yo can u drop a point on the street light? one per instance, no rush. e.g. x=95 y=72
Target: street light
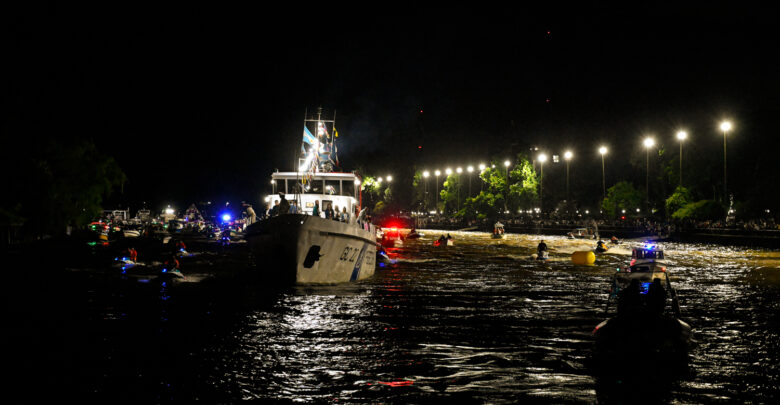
x=725 y=126
x=273 y=187
x=542 y=158
x=649 y=143
x=482 y=167
x=568 y=155
x=681 y=135
x=437 y=173
x=470 y=169
x=389 y=178
x=603 y=151
x=459 y=171
x=426 y=174
x=506 y=165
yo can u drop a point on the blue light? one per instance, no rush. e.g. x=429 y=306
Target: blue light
x=381 y=264
x=226 y=217
x=645 y=287
x=164 y=270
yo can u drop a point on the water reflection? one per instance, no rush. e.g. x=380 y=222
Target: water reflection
x=481 y=321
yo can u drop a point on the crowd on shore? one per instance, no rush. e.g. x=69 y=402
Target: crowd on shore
x=635 y=224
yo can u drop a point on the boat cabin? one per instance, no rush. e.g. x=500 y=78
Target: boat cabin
x=340 y=190
x=498 y=228
x=646 y=253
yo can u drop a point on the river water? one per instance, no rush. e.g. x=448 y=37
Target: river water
x=478 y=321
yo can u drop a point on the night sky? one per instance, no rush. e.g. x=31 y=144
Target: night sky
x=197 y=103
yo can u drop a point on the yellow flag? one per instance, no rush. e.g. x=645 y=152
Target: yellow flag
x=335 y=132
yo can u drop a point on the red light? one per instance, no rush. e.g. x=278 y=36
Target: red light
x=623 y=217
x=419 y=147
x=421 y=111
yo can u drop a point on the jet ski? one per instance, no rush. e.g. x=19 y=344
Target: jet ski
x=600 y=247
x=382 y=257
x=124 y=263
x=174 y=274
x=544 y=256
x=413 y=235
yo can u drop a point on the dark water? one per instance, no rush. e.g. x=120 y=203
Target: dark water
x=475 y=322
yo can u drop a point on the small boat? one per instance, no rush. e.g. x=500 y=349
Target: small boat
x=442 y=242
x=581 y=233
x=391 y=237
x=498 y=231
x=646 y=326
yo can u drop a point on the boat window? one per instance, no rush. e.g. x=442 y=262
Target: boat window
x=640 y=269
x=348 y=188
x=326 y=204
x=332 y=187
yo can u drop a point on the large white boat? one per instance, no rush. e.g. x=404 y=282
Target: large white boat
x=304 y=248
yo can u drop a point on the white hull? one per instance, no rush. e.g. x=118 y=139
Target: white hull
x=304 y=249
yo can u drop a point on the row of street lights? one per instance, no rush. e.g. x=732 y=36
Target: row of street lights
x=649 y=142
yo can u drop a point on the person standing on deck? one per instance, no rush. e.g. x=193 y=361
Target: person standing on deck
x=316 y=210
x=284 y=205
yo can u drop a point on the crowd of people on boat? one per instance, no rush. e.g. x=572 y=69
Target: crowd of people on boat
x=330 y=211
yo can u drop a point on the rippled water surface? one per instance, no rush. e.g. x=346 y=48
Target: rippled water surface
x=478 y=321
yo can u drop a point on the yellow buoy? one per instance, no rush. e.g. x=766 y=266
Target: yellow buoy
x=585 y=257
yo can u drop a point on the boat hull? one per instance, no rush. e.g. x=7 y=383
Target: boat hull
x=641 y=337
x=304 y=249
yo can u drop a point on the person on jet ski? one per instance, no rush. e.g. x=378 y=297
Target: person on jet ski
x=442 y=240
x=614 y=239
x=541 y=249
x=600 y=246
x=448 y=236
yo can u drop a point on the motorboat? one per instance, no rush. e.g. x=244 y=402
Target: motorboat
x=498 y=231
x=303 y=248
x=647 y=321
x=391 y=237
x=581 y=233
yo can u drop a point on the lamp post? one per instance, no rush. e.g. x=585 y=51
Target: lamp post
x=649 y=142
x=273 y=187
x=506 y=196
x=470 y=169
x=426 y=174
x=568 y=155
x=459 y=171
x=603 y=151
x=437 y=173
x=542 y=158
x=481 y=170
x=725 y=126
x=681 y=135
x=448 y=172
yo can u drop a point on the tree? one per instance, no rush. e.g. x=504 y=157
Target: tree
x=63 y=185
x=450 y=193
x=704 y=209
x=523 y=185
x=677 y=200
x=621 y=196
